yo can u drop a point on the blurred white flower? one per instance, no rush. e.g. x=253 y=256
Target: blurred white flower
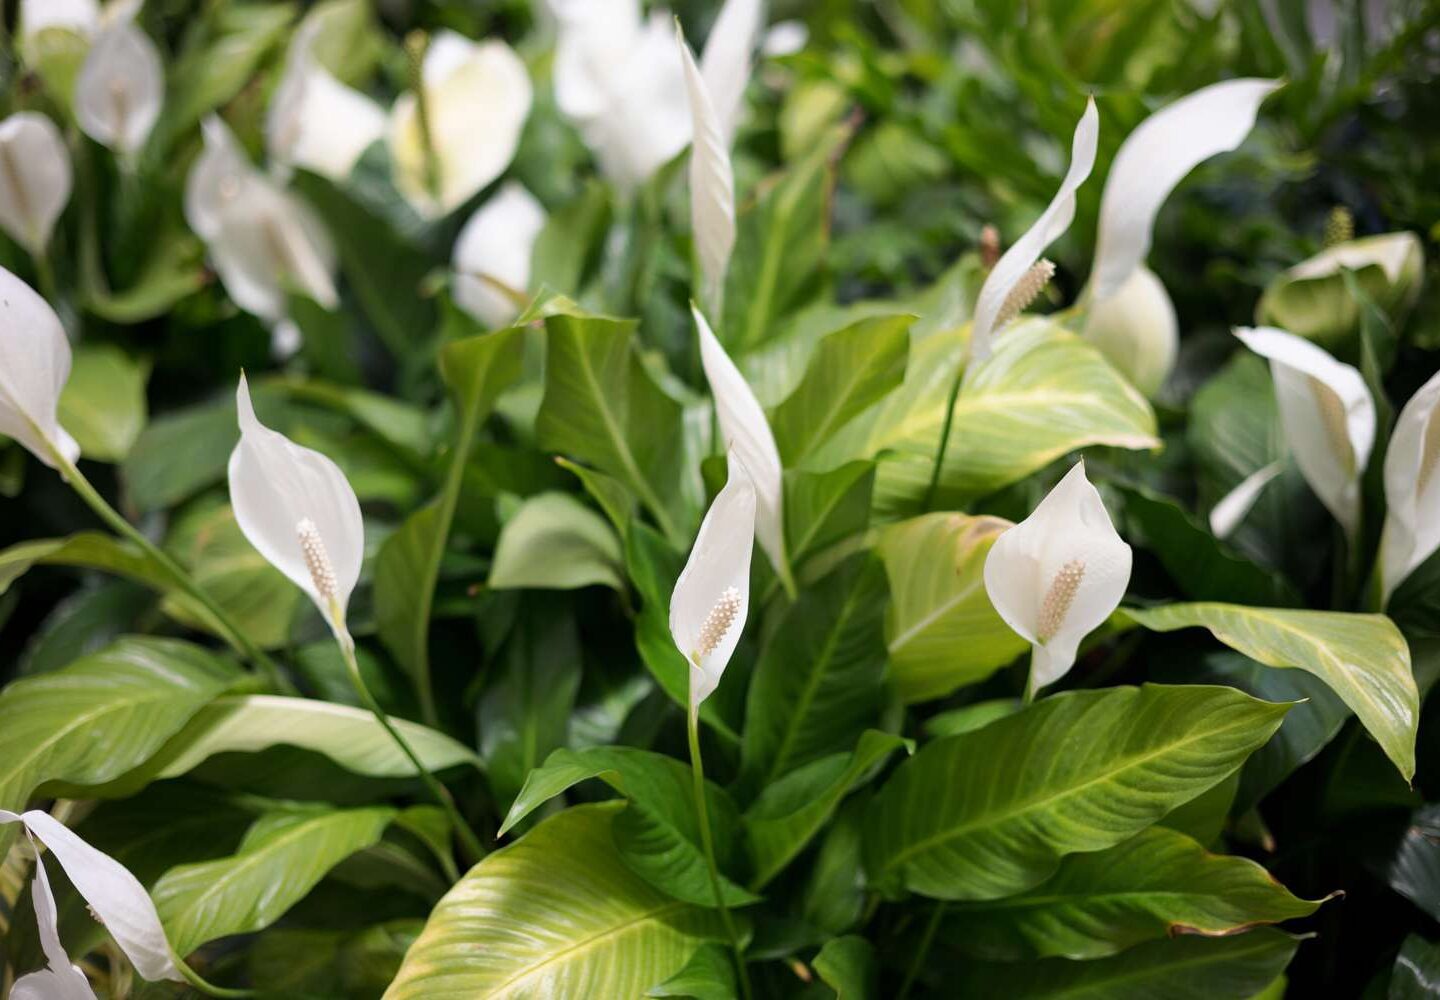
x=34 y=179
x=1412 y=488
x=1327 y=415
x=712 y=184
x=298 y=510
x=785 y=38
x=1058 y=574
x=726 y=61
x=79 y=16
x=115 y=897
x=712 y=595
x=1137 y=330
x=34 y=364
x=477 y=97
x=492 y=255
x=121 y=86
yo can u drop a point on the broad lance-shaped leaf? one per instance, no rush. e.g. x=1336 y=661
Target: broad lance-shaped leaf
x=1158 y=884
x=712 y=184
x=555 y=542
x=283 y=856
x=658 y=836
x=1363 y=658
x=849 y=966
x=558 y=913
x=990 y=813
x=709 y=975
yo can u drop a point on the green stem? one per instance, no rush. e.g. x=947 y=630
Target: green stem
x=944 y=437
x=924 y=950
x=697 y=769
x=196 y=980
x=177 y=573
x=45 y=276
x=468 y=840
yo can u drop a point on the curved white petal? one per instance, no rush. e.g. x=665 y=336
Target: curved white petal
x=1156 y=157
x=727 y=58
x=62 y=980
x=1058 y=574
x=747 y=434
x=115 y=896
x=712 y=184
x=317 y=123
x=711 y=599
x=79 y=16
x=268 y=241
x=495 y=246
x=1046 y=230
x=477 y=97
x=1393 y=253
x=34 y=179
x=121 y=87
x=276 y=486
x=1137 y=330
x=1226 y=515
x=1327 y=415
x=591 y=44
x=219 y=177
x=1412 y=488
x=34 y=364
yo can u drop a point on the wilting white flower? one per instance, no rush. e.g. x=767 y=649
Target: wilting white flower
x=34 y=179
x=262 y=239
x=79 y=16
x=726 y=61
x=477 y=97
x=1023 y=255
x=315 y=122
x=1412 y=488
x=121 y=86
x=712 y=184
x=1327 y=415
x=116 y=898
x=1058 y=574
x=1131 y=318
x=711 y=598
x=34 y=364
x=621 y=83
x=492 y=256
x=747 y=435
x=298 y=510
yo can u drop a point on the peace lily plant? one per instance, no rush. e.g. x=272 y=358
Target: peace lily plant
x=435 y=372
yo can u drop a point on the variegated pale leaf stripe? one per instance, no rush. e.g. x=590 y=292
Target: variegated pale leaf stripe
x=712 y=185
x=557 y=914
x=1363 y=658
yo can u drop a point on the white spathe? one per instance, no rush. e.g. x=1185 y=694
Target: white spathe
x=1058 y=574
x=1048 y=228
x=477 y=97
x=492 y=256
x=1227 y=514
x=114 y=895
x=286 y=496
x=727 y=59
x=34 y=364
x=747 y=434
x=121 y=86
x=711 y=599
x=1137 y=330
x=1412 y=488
x=79 y=16
x=712 y=184
x=1327 y=415
x=35 y=179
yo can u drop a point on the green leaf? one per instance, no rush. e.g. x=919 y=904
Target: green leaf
x=283 y=856
x=1188 y=968
x=791 y=811
x=659 y=834
x=602 y=407
x=709 y=975
x=173 y=270
x=555 y=542
x=299 y=962
x=614 y=499
x=558 y=913
x=179 y=454
x=818 y=683
x=968 y=718
x=1363 y=658
x=1414 y=869
x=850 y=370
x=823 y=508
x=1158 y=884
x=103 y=404
x=1416 y=971
x=848 y=965
x=941 y=629
x=1089 y=770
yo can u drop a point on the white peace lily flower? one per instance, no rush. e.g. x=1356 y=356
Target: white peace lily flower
x=1058 y=574
x=622 y=85
x=1137 y=330
x=492 y=256
x=726 y=61
x=121 y=86
x=34 y=364
x=477 y=97
x=1327 y=415
x=79 y=16
x=712 y=184
x=748 y=436
x=1313 y=300
x=298 y=510
x=116 y=898
x=34 y=179
x=1412 y=488
x=711 y=598
x=1017 y=263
